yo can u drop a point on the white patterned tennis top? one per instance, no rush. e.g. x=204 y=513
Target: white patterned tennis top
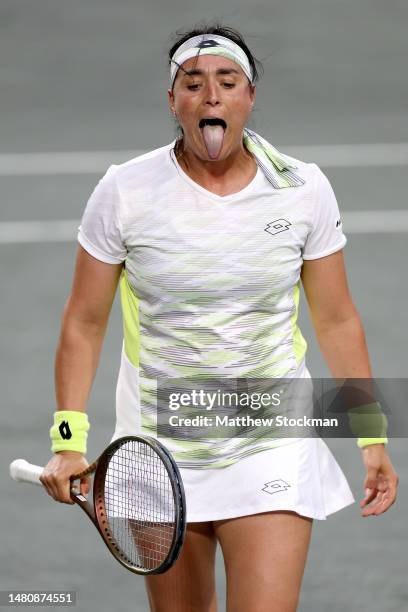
x=210 y=284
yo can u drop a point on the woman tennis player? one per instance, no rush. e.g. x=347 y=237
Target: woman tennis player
x=209 y=238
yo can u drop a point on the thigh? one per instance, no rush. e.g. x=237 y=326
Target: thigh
x=189 y=585
x=264 y=556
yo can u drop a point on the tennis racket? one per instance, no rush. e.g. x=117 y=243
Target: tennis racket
x=138 y=505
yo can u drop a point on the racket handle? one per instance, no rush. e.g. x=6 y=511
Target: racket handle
x=23 y=471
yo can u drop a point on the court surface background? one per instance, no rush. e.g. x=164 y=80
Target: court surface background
x=92 y=76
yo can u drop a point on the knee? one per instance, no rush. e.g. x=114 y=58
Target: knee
x=184 y=606
x=263 y=602
x=170 y=600
x=287 y=605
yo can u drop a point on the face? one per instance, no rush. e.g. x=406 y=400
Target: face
x=214 y=88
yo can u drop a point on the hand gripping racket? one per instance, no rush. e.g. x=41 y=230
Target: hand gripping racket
x=138 y=502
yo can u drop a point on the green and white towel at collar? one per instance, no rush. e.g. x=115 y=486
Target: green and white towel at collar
x=276 y=166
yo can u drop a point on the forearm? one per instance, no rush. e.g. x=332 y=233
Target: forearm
x=344 y=348
x=76 y=362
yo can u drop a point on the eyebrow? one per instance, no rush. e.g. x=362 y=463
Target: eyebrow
x=198 y=72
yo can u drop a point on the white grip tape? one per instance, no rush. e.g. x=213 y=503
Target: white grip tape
x=23 y=471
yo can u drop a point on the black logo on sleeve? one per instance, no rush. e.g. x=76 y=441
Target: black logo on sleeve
x=65 y=430
x=338 y=222
x=278 y=226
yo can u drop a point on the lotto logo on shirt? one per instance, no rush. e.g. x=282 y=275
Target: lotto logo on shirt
x=277 y=226
x=275 y=486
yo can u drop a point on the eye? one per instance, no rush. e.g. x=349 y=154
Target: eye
x=193 y=87
x=229 y=85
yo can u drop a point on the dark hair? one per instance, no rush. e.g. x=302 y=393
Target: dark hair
x=220 y=30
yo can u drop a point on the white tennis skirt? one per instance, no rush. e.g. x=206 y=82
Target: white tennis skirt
x=302 y=476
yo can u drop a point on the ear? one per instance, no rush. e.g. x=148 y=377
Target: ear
x=252 y=93
x=170 y=97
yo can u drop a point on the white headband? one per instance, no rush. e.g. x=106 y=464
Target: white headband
x=209 y=44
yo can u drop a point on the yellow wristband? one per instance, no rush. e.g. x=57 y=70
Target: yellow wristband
x=70 y=431
x=369 y=424
x=363 y=442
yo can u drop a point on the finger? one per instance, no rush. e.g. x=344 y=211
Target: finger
x=381 y=508
x=368 y=511
x=381 y=505
x=48 y=485
x=382 y=502
x=383 y=484
x=85 y=486
x=378 y=505
x=369 y=503
x=387 y=501
x=63 y=490
x=65 y=493
x=371 y=480
x=370 y=494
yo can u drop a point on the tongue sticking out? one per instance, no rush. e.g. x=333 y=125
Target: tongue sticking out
x=213 y=136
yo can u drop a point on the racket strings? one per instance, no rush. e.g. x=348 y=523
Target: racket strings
x=139 y=503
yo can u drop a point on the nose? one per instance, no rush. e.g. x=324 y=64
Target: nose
x=212 y=96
